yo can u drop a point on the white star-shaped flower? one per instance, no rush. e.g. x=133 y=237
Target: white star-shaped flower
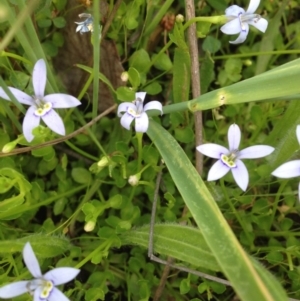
x=129 y=111
x=230 y=159
x=41 y=106
x=239 y=21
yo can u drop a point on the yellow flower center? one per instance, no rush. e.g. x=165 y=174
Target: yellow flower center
x=229 y=159
x=46 y=289
x=43 y=108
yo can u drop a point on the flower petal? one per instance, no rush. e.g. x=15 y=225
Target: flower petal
x=31 y=261
x=234 y=10
x=19 y=95
x=140 y=95
x=126 y=120
x=123 y=107
x=61 y=275
x=261 y=24
x=253 y=5
x=240 y=174
x=60 y=100
x=288 y=170
x=30 y=122
x=54 y=122
x=243 y=35
x=153 y=105
x=142 y=123
x=37 y=294
x=298 y=133
x=13 y=289
x=232 y=27
x=256 y=151
x=57 y=295
x=234 y=137
x=217 y=171
x=212 y=150
x=39 y=78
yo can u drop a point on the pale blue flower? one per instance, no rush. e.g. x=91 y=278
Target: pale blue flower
x=41 y=106
x=129 y=111
x=239 y=21
x=230 y=159
x=43 y=287
x=86 y=25
x=289 y=169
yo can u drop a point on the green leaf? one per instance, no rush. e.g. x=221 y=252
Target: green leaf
x=125 y=94
x=43 y=245
x=140 y=60
x=163 y=62
x=59 y=22
x=153 y=88
x=232 y=259
x=181 y=75
x=178 y=241
x=134 y=77
x=202 y=29
x=81 y=175
x=211 y=44
x=276 y=83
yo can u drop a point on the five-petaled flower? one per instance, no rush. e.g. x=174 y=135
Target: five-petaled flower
x=43 y=286
x=290 y=169
x=86 y=25
x=41 y=106
x=230 y=159
x=239 y=21
x=129 y=111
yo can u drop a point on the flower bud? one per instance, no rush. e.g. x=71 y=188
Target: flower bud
x=179 y=18
x=89 y=226
x=134 y=180
x=8 y=147
x=124 y=77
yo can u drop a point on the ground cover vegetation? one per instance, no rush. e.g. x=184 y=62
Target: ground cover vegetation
x=135 y=131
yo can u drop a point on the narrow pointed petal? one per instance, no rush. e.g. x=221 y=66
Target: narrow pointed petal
x=212 y=150
x=13 y=289
x=256 y=151
x=253 y=5
x=217 y=171
x=30 y=122
x=37 y=294
x=140 y=95
x=54 y=122
x=243 y=35
x=56 y=295
x=39 y=78
x=60 y=100
x=123 y=107
x=61 y=275
x=31 y=261
x=234 y=137
x=142 y=123
x=19 y=95
x=298 y=133
x=261 y=24
x=232 y=27
x=234 y=10
x=126 y=120
x=288 y=170
x=240 y=175
x=153 y=105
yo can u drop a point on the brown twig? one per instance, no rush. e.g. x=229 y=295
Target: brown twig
x=61 y=139
x=195 y=75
